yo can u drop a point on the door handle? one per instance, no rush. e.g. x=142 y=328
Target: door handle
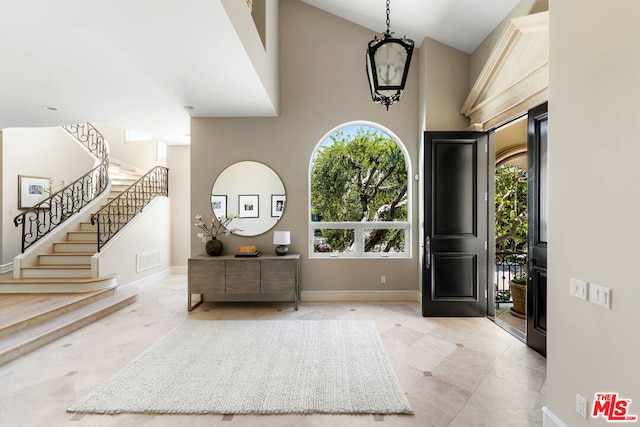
x=531 y=263
x=427 y=252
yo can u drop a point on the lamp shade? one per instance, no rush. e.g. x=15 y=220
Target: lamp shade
x=281 y=237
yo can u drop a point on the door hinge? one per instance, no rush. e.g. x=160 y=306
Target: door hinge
x=486 y=294
x=486 y=196
x=486 y=246
x=486 y=148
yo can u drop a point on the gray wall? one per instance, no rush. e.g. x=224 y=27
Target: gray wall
x=181 y=223
x=322 y=85
x=594 y=201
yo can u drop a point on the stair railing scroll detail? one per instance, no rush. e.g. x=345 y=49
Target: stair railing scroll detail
x=42 y=218
x=112 y=217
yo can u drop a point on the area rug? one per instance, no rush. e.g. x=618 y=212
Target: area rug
x=256 y=367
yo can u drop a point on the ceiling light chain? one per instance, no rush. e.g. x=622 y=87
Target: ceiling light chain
x=388 y=19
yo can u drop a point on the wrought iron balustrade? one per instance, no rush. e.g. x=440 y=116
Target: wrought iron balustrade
x=90 y=137
x=42 y=218
x=112 y=217
x=509 y=265
x=45 y=216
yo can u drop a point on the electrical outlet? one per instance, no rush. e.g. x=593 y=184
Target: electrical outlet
x=383 y=279
x=581 y=406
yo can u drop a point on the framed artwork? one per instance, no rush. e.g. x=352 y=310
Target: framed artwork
x=248 y=206
x=277 y=205
x=219 y=205
x=32 y=190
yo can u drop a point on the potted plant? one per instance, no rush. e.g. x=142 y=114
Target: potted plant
x=518 y=287
x=220 y=226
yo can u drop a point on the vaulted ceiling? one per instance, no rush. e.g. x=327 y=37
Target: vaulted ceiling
x=142 y=64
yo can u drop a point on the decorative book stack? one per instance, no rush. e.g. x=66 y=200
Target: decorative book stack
x=247 y=251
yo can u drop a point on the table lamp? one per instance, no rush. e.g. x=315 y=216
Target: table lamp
x=281 y=239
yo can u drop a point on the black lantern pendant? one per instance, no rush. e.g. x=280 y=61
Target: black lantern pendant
x=388 y=60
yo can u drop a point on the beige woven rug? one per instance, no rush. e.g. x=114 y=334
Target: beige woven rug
x=256 y=367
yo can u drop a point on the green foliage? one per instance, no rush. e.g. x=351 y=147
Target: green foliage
x=359 y=177
x=511 y=208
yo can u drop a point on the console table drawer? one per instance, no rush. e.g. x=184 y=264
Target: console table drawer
x=206 y=277
x=243 y=277
x=278 y=276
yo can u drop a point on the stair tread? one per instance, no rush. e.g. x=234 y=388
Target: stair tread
x=59 y=322
x=19 y=309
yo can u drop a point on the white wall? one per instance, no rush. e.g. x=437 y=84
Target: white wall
x=594 y=200
x=148 y=234
x=141 y=154
x=43 y=152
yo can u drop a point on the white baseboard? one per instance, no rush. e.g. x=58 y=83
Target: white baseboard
x=413 y=296
x=6 y=267
x=149 y=279
x=549 y=419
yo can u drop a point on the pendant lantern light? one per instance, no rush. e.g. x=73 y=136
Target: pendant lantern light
x=388 y=60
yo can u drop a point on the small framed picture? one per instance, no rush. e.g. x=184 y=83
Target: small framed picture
x=277 y=205
x=248 y=206
x=32 y=190
x=219 y=205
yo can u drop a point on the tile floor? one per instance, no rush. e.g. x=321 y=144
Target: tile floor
x=455 y=371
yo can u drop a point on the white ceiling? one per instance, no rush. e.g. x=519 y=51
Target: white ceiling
x=137 y=64
x=462 y=24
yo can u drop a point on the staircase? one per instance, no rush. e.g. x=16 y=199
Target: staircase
x=61 y=292
x=69 y=267
x=29 y=321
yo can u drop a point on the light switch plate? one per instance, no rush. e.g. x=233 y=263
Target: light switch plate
x=600 y=295
x=578 y=288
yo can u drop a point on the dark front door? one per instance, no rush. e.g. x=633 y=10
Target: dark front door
x=537 y=242
x=454 y=272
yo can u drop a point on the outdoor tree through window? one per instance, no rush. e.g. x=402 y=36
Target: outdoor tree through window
x=359 y=194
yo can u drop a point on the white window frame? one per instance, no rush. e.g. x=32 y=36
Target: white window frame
x=360 y=227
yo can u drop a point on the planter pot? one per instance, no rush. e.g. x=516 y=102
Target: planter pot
x=214 y=247
x=519 y=297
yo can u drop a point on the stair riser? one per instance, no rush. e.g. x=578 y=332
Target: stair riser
x=64 y=260
x=62 y=247
x=88 y=227
x=56 y=273
x=82 y=237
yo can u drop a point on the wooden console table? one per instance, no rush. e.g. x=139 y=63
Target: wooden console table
x=227 y=275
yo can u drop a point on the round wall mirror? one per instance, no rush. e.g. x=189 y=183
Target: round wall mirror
x=251 y=191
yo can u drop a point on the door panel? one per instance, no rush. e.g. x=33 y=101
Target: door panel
x=455 y=228
x=537 y=240
x=454 y=276
x=453 y=188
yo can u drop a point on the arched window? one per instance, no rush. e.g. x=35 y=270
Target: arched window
x=359 y=190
